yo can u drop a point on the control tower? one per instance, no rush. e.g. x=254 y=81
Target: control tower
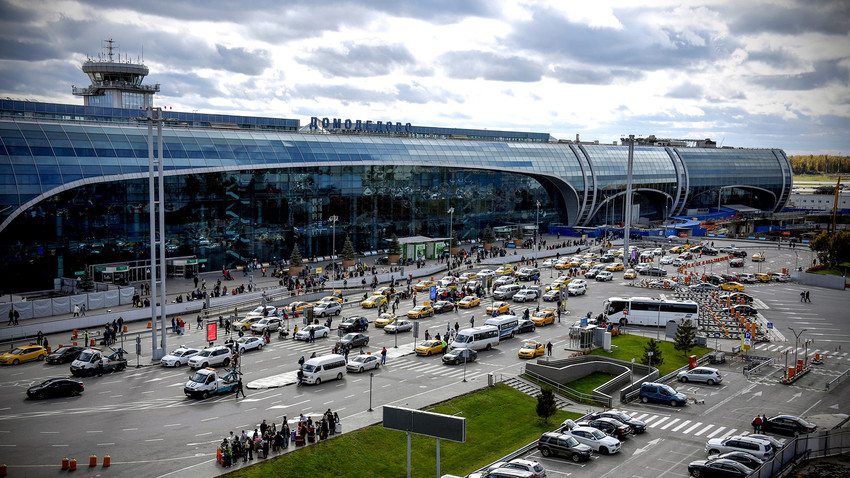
x=115 y=83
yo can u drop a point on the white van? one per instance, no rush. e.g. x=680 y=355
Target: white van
x=507 y=325
x=477 y=338
x=506 y=291
x=324 y=368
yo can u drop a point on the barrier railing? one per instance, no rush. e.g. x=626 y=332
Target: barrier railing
x=837 y=379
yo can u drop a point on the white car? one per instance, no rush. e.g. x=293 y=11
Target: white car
x=667 y=260
x=179 y=357
x=486 y=273
x=549 y=263
x=505 y=280
x=397 y=326
x=595 y=439
x=604 y=276
x=678 y=262
x=263 y=311
x=249 y=343
x=576 y=289
x=579 y=282
x=268 y=323
x=212 y=356
x=327 y=308
x=320 y=332
x=552 y=295
x=363 y=362
x=526 y=295
x=533 y=467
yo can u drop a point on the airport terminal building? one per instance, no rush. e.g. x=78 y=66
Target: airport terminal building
x=75 y=181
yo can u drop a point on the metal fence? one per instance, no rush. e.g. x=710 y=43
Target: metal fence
x=804 y=447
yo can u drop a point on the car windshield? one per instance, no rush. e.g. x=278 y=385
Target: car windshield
x=177 y=353
x=17 y=351
x=85 y=357
x=309 y=368
x=349 y=337
x=462 y=339
x=205 y=353
x=359 y=358
x=199 y=377
x=571 y=441
x=597 y=434
x=62 y=350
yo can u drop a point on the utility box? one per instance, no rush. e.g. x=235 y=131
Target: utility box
x=692 y=362
x=606 y=342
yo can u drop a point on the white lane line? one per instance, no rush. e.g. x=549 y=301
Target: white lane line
x=209 y=419
x=658 y=422
x=728 y=433
x=671 y=423
x=155 y=439
x=105 y=444
x=691 y=428
x=59 y=445
x=129 y=429
x=172 y=425
x=707 y=428
x=683 y=424
x=715 y=432
x=94 y=431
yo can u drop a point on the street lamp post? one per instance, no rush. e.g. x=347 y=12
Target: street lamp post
x=451 y=212
x=537 y=229
x=371 y=375
x=796 y=343
x=333 y=220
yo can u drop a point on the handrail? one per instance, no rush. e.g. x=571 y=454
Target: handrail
x=837 y=379
x=564 y=390
x=755 y=369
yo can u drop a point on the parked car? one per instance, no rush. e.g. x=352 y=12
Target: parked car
x=736 y=263
x=559 y=444
x=179 y=356
x=55 y=387
x=354 y=339
x=534 y=468
x=24 y=353
x=705 y=375
x=757 y=257
x=457 y=356
x=738 y=253
x=595 y=439
x=661 y=393
x=610 y=426
x=705 y=287
x=64 y=354
x=741 y=457
x=743 y=309
x=718 y=468
x=637 y=426
x=761 y=449
x=787 y=425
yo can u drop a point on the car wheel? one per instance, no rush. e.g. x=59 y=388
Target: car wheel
x=39 y=396
x=366 y=343
x=713 y=452
x=674 y=403
x=710 y=382
x=41 y=357
x=489 y=346
x=603 y=450
x=695 y=473
x=325 y=335
x=205 y=395
x=339 y=376
x=545 y=452
x=318 y=381
x=337 y=312
x=16 y=362
x=75 y=392
x=644 y=400
x=576 y=457
x=360 y=370
x=683 y=379
x=205 y=365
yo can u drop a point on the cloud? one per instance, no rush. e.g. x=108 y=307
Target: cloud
x=577 y=75
x=344 y=93
x=470 y=65
x=824 y=16
x=686 y=91
x=825 y=73
x=359 y=60
x=419 y=94
x=240 y=60
x=185 y=84
x=777 y=58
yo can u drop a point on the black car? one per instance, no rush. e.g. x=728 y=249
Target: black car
x=787 y=425
x=655 y=272
x=354 y=324
x=736 y=263
x=355 y=339
x=524 y=326
x=64 y=354
x=637 y=426
x=709 y=251
x=457 y=356
x=443 y=306
x=718 y=468
x=738 y=297
x=55 y=387
x=745 y=310
x=610 y=426
x=742 y=457
x=738 y=253
x=715 y=279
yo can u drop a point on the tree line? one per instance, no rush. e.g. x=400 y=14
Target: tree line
x=820 y=164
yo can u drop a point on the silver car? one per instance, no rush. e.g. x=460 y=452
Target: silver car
x=706 y=375
x=327 y=308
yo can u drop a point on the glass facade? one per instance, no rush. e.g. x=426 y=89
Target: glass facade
x=75 y=189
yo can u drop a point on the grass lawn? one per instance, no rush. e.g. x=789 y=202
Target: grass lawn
x=589 y=383
x=498 y=421
x=631 y=347
x=831 y=272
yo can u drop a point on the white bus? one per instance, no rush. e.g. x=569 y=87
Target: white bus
x=649 y=311
x=507 y=325
x=477 y=338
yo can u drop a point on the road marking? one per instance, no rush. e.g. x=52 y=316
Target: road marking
x=707 y=428
x=203 y=434
x=728 y=433
x=715 y=432
x=7 y=445
x=172 y=425
x=684 y=424
x=658 y=422
x=208 y=419
x=155 y=439
x=94 y=431
x=59 y=445
x=691 y=428
x=105 y=444
x=671 y=423
x=48 y=432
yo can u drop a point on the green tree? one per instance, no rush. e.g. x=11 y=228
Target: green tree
x=685 y=334
x=453 y=242
x=487 y=235
x=86 y=283
x=347 y=250
x=295 y=259
x=518 y=232
x=825 y=190
x=394 y=248
x=833 y=249
x=652 y=346
x=546 y=406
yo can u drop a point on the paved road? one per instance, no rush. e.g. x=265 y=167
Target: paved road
x=142 y=420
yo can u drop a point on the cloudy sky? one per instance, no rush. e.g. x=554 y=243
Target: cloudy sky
x=746 y=73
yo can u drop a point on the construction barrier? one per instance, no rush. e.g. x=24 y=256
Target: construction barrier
x=72 y=465
x=149 y=324
x=65 y=463
x=106 y=461
x=93 y=460
x=92 y=343
x=3 y=470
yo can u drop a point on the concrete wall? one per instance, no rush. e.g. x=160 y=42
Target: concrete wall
x=818 y=280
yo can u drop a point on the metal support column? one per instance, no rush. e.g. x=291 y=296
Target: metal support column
x=628 y=211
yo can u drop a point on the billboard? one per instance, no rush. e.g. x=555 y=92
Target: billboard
x=437 y=425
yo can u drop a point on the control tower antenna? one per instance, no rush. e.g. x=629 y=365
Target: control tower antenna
x=115 y=83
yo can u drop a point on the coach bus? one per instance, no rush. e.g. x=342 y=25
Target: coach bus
x=507 y=325
x=649 y=311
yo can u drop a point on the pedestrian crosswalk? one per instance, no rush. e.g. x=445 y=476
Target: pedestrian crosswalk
x=433 y=366
x=667 y=424
x=810 y=351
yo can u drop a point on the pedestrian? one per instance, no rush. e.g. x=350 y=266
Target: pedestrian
x=472 y=321
x=199 y=322
x=457 y=327
x=44 y=344
x=807 y=300
x=757 y=424
x=549 y=348
x=83 y=310
x=803 y=296
x=121 y=323
x=174 y=325
x=301 y=362
x=86 y=338
x=384 y=356
x=11 y=316
x=427 y=335
x=39 y=337
x=239 y=388
x=76 y=310
x=300 y=375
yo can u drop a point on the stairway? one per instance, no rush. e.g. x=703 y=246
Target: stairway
x=530 y=388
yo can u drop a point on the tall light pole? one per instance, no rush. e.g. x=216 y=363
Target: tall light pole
x=796 y=342
x=371 y=375
x=333 y=219
x=537 y=229
x=451 y=212
x=628 y=200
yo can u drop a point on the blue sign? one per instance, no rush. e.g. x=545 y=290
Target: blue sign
x=717 y=335
x=747 y=335
x=433 y=292
x=584 y=322
x=770 y=325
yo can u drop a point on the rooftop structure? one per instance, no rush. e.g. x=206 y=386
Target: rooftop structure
x=116 y=83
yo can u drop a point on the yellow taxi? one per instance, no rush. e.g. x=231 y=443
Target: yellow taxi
x=420 y=311
x=429 y=347
x=383 y=291
x=23 y=354
x=629 y=274
x=544 y=317
x=736 y=286
x=505 y=269
x=558 y=283
x=245 y=322
x=563 y=265
x=374 y=301
x=469 y=301
x=337 y=294
x=758 y=257
x=424 y=285
x=587 y=264
x=467 y=276
x=499 y=308
x=331 y=298
x=615 y=267
x=677 y=250
x=762 y=277
x=532 y=349
x=297 y=306
x=384 y=319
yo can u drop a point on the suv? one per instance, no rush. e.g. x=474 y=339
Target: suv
x=700 y=374
x=527 y=273
x=212 y=356
x=660 y=393
x=354 y=324
x=761 y=449
x=533 y=467
x=526 y=295
x=604 y=276
x=558 y=444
